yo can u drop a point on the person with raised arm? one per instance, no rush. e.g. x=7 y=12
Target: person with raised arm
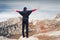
x=25 y=19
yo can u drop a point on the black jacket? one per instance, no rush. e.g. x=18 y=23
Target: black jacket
x=25 y=14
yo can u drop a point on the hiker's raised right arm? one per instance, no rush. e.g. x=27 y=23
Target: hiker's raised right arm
x=19 y=12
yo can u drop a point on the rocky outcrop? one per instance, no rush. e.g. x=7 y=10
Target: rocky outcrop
x=13 y=26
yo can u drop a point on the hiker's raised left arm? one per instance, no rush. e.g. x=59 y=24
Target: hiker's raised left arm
x=35 y=9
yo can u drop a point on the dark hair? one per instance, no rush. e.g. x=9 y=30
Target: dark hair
x=24 y=9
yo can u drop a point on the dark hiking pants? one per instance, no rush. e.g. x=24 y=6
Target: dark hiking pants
x=25 y=24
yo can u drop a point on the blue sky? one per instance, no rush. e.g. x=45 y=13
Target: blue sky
x=48 y=8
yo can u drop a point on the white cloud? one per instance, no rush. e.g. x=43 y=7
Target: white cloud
x=47 y=10
x=7 y=15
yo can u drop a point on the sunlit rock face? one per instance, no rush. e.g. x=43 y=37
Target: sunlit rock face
x=30 y=38
x=57 y=17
